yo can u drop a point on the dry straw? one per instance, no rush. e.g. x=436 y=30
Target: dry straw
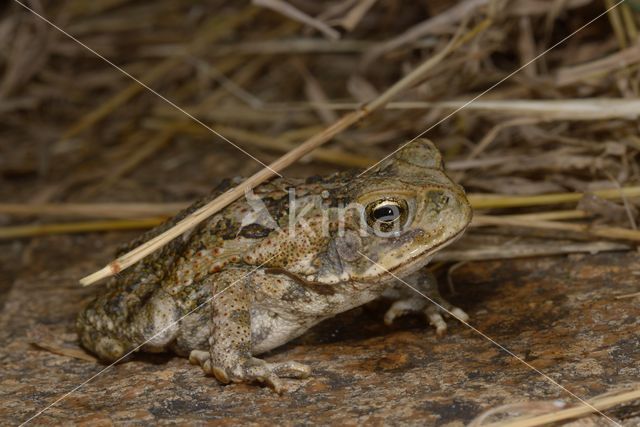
x=129 y=211
x=600 y=404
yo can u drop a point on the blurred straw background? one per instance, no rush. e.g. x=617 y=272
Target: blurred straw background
x=270 y=74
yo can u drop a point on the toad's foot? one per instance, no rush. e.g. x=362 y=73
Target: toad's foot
x=419 y=304
x=418 y=293
x=251 y=370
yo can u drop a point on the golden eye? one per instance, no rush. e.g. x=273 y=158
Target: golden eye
x=387 y=214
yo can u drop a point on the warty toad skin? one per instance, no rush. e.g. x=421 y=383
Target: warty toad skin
x=255 y=279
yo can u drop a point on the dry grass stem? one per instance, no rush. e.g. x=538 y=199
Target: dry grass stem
x=493 y=133
x=94 y=210
x=21 y=231
x=289 y=11
x=487 y=251
x=629 y=22
x=601 y=231
x=616 y=23
x=292 y=47
x=602 y=66
x=355 y=15
x=283 y=143
x=492 y=201
x=419 y=72
x=548 y=216
x=567 y=109
x=600 y=404
x=633 y=295
x=75 y=353
x=549 y=110
x=436 y=24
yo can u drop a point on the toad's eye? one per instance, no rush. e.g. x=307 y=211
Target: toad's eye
x=387 y=214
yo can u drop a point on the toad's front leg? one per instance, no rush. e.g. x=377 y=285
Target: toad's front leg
x=419 y=294
x=229 y=357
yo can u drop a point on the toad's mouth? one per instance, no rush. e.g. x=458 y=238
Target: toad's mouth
x=420 y=260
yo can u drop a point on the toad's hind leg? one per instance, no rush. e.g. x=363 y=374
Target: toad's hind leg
x=423 y=298
x=112 y=331
x=229 y=357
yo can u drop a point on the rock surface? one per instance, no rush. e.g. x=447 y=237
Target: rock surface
x=560 y=315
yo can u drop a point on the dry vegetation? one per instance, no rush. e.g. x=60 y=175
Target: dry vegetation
x=549 y=155
x=565 y=123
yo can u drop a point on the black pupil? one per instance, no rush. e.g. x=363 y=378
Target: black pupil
x=388 y=213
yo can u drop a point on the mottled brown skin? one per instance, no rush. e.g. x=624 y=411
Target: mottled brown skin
x=230 y=290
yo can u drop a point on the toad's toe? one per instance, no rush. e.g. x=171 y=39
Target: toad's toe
x=290 y=369
x=402 y=307
x=434 y=315
x=251 y=370
x=436 y=320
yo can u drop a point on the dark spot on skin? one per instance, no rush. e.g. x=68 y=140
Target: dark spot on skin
x=241 y=316
x=318 y=287
x=386 y=170
x=255 y=231
x=244 y=347
x=348 y=246
x=406 y=237
x=225 y=228
x=278 y=207
x=114 y=305
x=149 y=329
x=294 y=294
x=260 y=334
x=144 y=298
x=437 y=200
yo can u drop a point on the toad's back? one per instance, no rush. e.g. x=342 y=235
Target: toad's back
x=158 y=291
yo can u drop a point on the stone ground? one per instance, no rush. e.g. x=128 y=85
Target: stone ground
x=559 y=314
